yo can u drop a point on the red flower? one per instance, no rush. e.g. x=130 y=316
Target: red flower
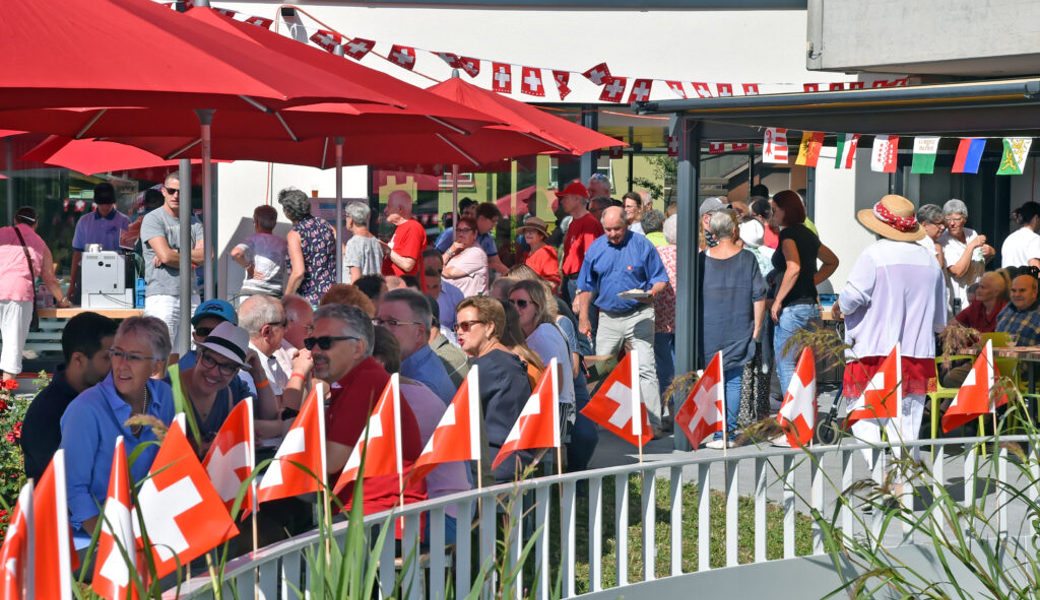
x=15 y=433
x=11 y=384
x=3 y=405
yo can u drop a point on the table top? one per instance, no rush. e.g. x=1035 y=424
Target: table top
x=72 y=311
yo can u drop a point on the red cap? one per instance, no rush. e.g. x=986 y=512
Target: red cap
x=575 y=188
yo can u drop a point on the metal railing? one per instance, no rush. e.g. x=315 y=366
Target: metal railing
x=792 y=483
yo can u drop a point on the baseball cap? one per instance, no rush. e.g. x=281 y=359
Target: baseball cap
x=215 y=308
x=574 y=188
x=229 y=341
x=711 y=205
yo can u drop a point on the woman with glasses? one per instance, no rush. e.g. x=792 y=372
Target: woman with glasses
x=504 y=386
x=965 y=252
x=99 y=415
x=537 y=321
x=465 y=263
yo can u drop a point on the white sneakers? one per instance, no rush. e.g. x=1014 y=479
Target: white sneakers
x=719 y=444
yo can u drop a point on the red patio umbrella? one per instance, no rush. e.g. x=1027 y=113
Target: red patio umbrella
x=91 y=156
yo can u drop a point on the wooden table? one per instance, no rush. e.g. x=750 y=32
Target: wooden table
x=72 y=311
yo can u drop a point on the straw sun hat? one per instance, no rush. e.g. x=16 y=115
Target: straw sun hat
x=892 y=217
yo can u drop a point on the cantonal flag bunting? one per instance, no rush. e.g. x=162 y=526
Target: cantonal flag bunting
x=809 y=148
x=883 y=396
x=302 y=450
x=846 y=155
x=617 y=400
x=538 y=425
x=924 y=155
x=231 y=457
x=112 y=578
x=703 y=413
x=774 y=146
x=14 y=554
x=53 y=558
x=797 y=414
x=885 y=154
x=969 y=155
x=1016 y=150
x=380 y=442
x=975 y=396
x=457 y=436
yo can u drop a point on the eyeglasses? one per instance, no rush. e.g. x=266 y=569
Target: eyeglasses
x=207 y=361
x=464 y=230
x=172 y=191
x=464 y=326
x=129 y=356
x=281 y=323
x=203 y=332
x=392 y=322
x=520 y=303
x=325 y=342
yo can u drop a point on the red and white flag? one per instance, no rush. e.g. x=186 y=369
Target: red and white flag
x=704 y=413
x=328 y=40
x=613 y=89
x=739 y=147
x=15 y=562
x=260 y=22
x=836 y=87
x=845 y=155
x=232 y=457
x=617 y=400
x=716 y=147
x=750 y=89
x=702 y=89
x=975 y=397
x=880 y=83
x=470 y=65
x=116 y=545
x=450 y=58
x=673 y=146
x=640 y=90
x=302 y=450
x=883 y=397
x=227 y=12
x=797 y=414
x=457 y=436
x=357 y=48
x=810 y=87
x=531 y=81
x=380 y=442
x=857 y=85
x=562 y=79
x=885 y=154
x=677 y=88
x=502 y=78
x=598 y=74
x=724 y=89
x=402 y=56
x=538 y=425
x=183 y=515
x=774 y=146
x=53 y=560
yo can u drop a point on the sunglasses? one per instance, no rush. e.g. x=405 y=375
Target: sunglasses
x=521 y=304
x=392 y=322
x=172 y=191
x=325 y=342
x=203 y=332
x=464 y=326
x=226 y=369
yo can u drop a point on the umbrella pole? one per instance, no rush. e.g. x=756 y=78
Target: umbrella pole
x=339 y=210
x=209 y=219
x=10 y=180
x=454 y=200
x=184 y=324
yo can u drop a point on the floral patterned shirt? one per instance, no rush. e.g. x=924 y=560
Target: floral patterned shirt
x=664 y=303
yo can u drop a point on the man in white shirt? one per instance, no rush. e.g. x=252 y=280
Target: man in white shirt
x=287 y=368
x=1022 y=248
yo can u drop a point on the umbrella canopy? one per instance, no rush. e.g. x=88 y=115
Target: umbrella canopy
x=94 y=156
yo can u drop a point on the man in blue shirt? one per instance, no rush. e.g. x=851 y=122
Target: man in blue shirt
x=406 y=313
x=616 y=262
x=102 y=226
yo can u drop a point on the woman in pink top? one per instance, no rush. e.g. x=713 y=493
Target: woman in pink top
x=465 y=263
x=16 y=294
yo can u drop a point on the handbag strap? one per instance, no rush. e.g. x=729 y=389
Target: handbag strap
x=28 y=259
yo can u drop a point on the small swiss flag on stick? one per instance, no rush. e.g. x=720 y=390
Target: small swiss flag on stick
x=703 y=413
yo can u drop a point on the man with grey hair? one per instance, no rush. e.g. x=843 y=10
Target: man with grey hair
x=965 y=253
x=930 y=216
x=599 y=185
x=161 y=242
x=406 y=313
x=708 y=208
x=653 y=227
x=262 y=255
x=363 y=252
x=404 y=252
x=342 y=350
x=264 y=319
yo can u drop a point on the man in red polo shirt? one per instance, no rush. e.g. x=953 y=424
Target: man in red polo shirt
x=404 y=252
x=341 y=346
x=584 y=228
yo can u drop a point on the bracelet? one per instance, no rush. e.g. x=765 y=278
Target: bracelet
x=263 y=384
x=301 y=376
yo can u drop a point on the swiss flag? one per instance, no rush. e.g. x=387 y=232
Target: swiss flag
x=614 y=89
x=112 y=578
x=302 y=450
x=231 y=458
x=810 y=87
x=53 y=560
x=327 y=39
x=702 y=89
x=357 y=48
x=856 y=85
x=402 y=56
x=450 y=58
x=836 y=86
x=975 y=398
x=380 y=442
x=883 y=396
x=724 y=89
x=716 y=147
x=750 y=89
x=739 y=147
x=640 y=90
x=798 y=412
x=470 y=65
x=677 y=88
x=15 y=572
x=227 y=12
x=531 y=81
x=598 y=74
x=703 y=413
x=618 y=400
x=673 y=146
x=457 y=436
x=260 y=22
x=880 y=83
x=183 y=515
x=538 y=425
x=562 y=79
x=502 y=78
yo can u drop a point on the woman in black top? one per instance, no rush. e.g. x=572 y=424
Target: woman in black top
x=796 y=303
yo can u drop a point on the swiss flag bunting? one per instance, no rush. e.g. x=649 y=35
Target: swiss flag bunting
x=562 y=79
x=451 y=59
x=857 y=85
x=883 y=396
x=614 y=89
x=470 y=65
x=457 y=436
x=112 y=578
x=703 y=412
x=227 y=12
x=598 y=74
x=880 y=83
x=837 y=86
x=328 y=40
x=810 y=87
x=260 y=22
x=724 y=89
x=975 y=396
x=750 y=89
x=403 y=56
x=15 y=572
x=640 y=90
x=702 y=89
x=677 y=88
x=797 y=414
x=380 y=442
x=502 y=78
x=739 y=147
x=673 y=146
x=231 y=457
x=357 y=48
x=302 y=447
x=538 y=425
x=617 y=400
x=531 y=81
x=716 y=147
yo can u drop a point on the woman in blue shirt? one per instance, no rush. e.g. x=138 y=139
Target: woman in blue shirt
x=99 y=415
